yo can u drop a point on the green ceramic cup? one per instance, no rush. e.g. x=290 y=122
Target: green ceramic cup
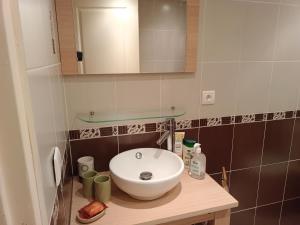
x=102 y=188
x=88 y=183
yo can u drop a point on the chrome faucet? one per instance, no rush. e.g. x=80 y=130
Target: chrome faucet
x=168 y=134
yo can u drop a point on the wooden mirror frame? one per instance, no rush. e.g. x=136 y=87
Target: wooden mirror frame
x=67 y=42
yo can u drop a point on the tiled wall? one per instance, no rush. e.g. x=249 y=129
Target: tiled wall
x=62 y=205
x=47 y=97
x=162 y=44
x=261 y=153
x=249 y=53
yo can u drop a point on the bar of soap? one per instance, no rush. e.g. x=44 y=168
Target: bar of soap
x=92 y=209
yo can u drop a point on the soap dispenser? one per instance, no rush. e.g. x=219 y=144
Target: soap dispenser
x=198 y=163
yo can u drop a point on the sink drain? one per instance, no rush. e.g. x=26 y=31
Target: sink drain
x=146 y=175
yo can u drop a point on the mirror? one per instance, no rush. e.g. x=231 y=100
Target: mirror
x=128 y=36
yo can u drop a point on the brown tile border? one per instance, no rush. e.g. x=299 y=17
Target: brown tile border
x=140 y=128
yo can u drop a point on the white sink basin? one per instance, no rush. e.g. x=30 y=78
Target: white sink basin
x=165 y=166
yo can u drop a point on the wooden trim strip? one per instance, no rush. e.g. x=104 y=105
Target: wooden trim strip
x=193 y=12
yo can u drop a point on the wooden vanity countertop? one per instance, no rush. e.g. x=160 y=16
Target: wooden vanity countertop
x=191 y=197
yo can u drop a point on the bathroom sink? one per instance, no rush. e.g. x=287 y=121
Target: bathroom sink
x=146 y=173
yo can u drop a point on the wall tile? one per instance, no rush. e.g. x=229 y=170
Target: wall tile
x=295 y=153
x=272 y=181
x=89 y=93
x=277 y=141
x=290 y=212
x=191 y=134
x=216 y=143
x=217 y=177
x=58 y=96
x=45 y=133
x=243 y=218
x=293 y=182
x=259 y=29
x=253 y=87
x=221 y=77
x=247 y=145
x=222 y=34
x=284 y=87
x=102 y=149
x=128 y=142
x=142 y=90
x=268 y=215
x=288 y=34
x=182 y=91
x=243 y=186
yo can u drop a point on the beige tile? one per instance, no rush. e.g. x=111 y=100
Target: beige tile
x=222 y=34
x=59 y=106
x=43 y=115
x=147 y=44
x=290 y=2
x=169 y=14
x=259 y=29
x=284 y=87
x=288 y=47
x=89 y=93
x=138 y=92
x=182 y=91
x=146 y=14
x=253 y=87
x=222 y=78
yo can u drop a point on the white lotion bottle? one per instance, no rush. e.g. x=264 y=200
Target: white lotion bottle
x=198 y=163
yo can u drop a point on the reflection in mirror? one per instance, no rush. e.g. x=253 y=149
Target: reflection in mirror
x=128 y=36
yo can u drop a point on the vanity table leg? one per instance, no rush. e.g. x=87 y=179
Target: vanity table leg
x=222 y=218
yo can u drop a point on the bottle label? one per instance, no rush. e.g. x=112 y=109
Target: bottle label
x=196 y=167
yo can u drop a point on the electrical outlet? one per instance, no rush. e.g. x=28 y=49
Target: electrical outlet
x=208 y=97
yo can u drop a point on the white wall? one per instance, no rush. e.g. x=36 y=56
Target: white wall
x=249 y=52
x=18 y=197
x=46 y=92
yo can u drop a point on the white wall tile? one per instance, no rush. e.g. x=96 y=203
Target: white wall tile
x=182 y=91
x=221 y=77
x=89 y=93
x=222 y=34
x=253 y=87
x=57 y=92
x=284 y=86
x=138 y=92
x=288 y=47
x=258 y=32
x=43 y=112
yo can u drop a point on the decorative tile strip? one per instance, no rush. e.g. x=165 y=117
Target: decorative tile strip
x=265 y=118
x=115 y=131
x=136 y=128
x=232 y=119
x=183 y=124
x=248 y=118
x=160 y=126
x=226 y=120
x=279 y=116
x=180 y=125
x=211 y=122
x=89 y=133
x=195 y=123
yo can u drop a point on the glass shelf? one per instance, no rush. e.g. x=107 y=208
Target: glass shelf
x=97 y=117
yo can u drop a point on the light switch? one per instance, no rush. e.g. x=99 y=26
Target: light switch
x=208 y=97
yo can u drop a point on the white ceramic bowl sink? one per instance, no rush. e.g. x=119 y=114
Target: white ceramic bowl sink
x=165 y=166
